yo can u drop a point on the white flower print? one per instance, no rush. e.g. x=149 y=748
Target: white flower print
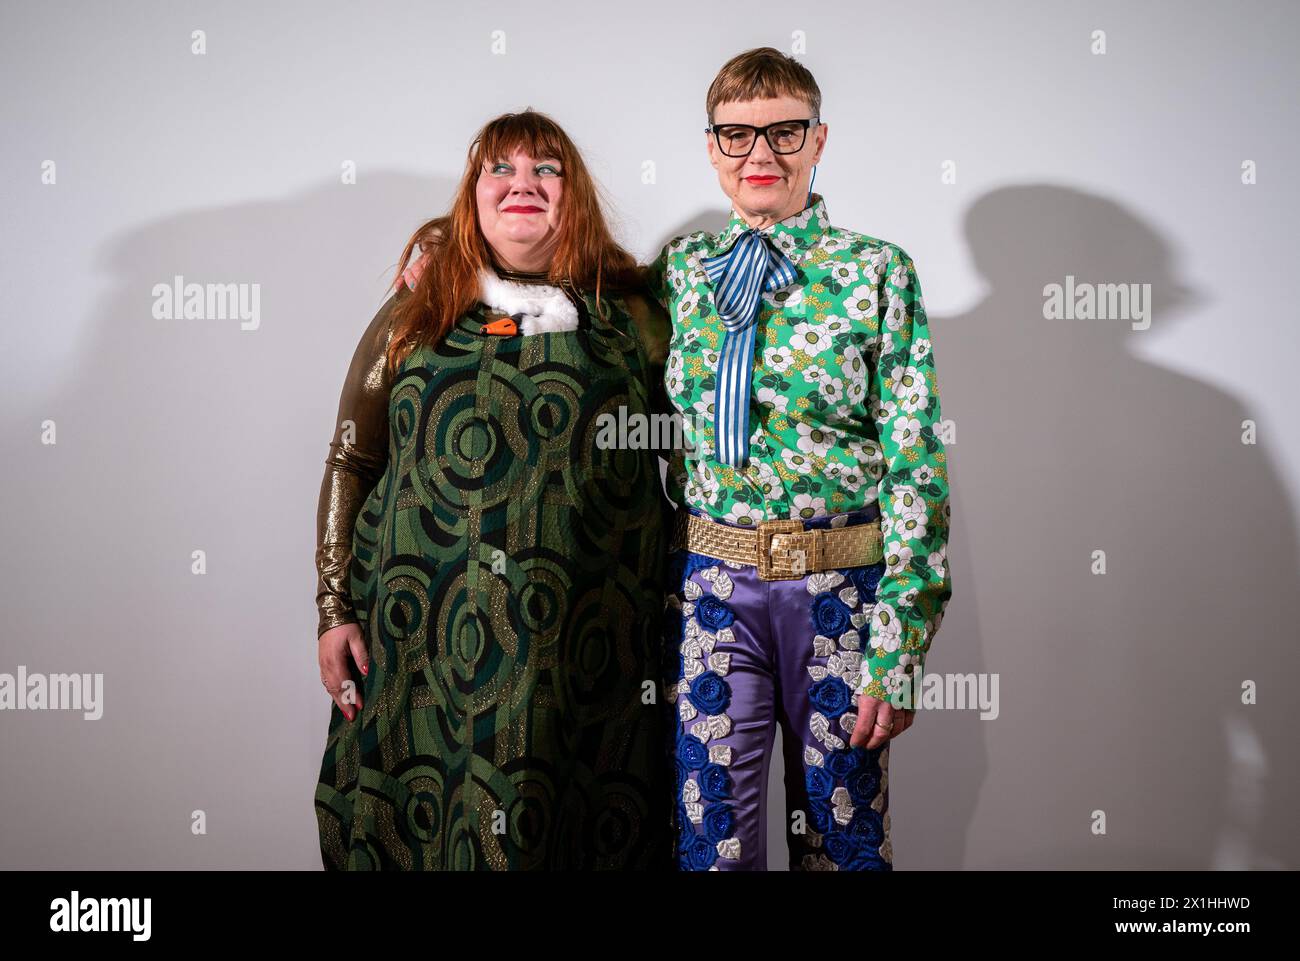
x=937 y=561
x=813 y=440
x=864 y=451
x=855 y=374
x=886 y=628
x=907 y=430
x=894 y=677
x=909 y=514
x=802 y=218
x=909 y=386
x=920 y=349
x=806 y=506
x=833 y=243
x=687 y=304
x=895 y=312
x=836 y=325
x=673 y=375
x=710 y=488
x=778 y=359
x=862 y=302
x=743 y=515
x=848 y=478
x=770 y=397
x=845 y=272
x=785 y=298
x=769 y=484
x=814 y=374
x=897 y=556
x=884 y=347
x=785 y=243
x=882 y=411
x=873 y=268
x=842 y=413
x=796 y=461
x=831 y=388
x=812 y=339
x=704 y=406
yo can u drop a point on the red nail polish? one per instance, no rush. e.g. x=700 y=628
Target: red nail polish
x=365 y=668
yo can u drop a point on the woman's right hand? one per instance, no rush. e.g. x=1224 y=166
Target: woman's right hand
x=334 y=648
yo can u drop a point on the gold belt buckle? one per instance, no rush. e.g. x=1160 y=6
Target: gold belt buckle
x=766 y=531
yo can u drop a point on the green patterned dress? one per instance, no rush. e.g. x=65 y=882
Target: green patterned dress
x=507 y=575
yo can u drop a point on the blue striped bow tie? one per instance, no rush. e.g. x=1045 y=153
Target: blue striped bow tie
x=739 y=278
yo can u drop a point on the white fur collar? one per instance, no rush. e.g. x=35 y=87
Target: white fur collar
x=536 y=308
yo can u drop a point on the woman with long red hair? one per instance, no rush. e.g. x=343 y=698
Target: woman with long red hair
x=490 y=576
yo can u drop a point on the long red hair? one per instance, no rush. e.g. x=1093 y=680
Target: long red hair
x=454 y=248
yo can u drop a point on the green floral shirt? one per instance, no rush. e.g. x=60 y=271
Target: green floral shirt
x=843 y=412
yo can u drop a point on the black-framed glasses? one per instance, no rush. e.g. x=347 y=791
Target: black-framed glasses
x=784 y=136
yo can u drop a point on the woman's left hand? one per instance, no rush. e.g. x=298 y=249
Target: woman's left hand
x=411 y=275
x=875 y=717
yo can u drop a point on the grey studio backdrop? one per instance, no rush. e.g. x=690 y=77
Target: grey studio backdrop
x=995 y=143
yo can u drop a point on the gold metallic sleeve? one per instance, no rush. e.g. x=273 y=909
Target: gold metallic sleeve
x=358 y=456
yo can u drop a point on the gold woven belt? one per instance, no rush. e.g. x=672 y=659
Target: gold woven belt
x=780 y=549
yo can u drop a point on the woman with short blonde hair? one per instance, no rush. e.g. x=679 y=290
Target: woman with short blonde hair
x=809 y=570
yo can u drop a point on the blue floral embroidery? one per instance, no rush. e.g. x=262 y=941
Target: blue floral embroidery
x=854 y=846
x=844 y=761
x=700 y=854
x=866 y=832
x=867 y=827
x=691 y=751
x=866 y=579
x=819 y=815
x=819 y=783
x=686 y=563
x=685 y=833
x=830 y=615
x=709 y=693
x=718 y=821
x=715 y=783
x=831 y=696
x=839 y=848
x=713 y=614
x=864 y=784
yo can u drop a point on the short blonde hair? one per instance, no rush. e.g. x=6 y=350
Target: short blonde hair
x=761 y=74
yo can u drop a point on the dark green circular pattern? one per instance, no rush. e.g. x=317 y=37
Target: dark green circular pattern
x=507 y=576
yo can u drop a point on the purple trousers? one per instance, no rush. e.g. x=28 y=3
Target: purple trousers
x=744 y=655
